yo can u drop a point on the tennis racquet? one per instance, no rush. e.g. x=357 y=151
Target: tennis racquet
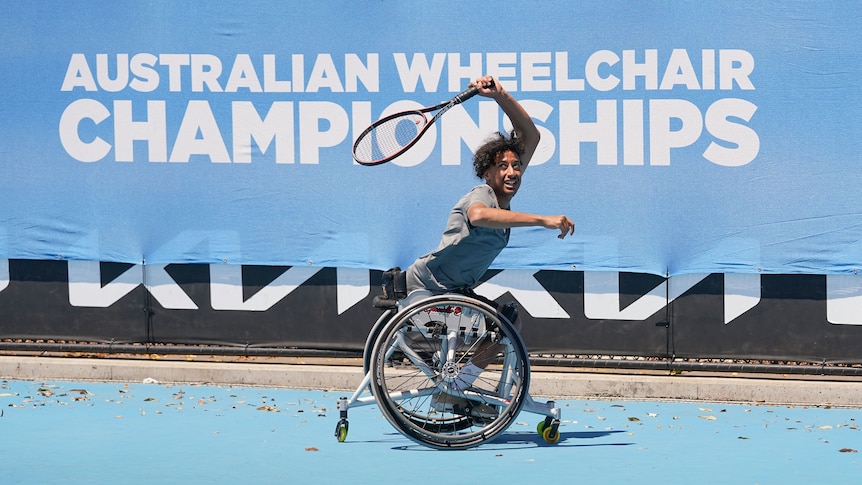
x=391 y=136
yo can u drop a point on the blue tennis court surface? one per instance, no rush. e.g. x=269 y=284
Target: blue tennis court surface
x=135 y=433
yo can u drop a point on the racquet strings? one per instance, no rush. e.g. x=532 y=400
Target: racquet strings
x=389 y=137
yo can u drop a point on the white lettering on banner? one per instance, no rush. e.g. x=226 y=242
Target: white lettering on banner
x=86 y=290
x=313 y=137
x=602 y=298
x=353 y=287
x=419 y=70
x=4 y=263
x=204 y=72
x=126 y=132
x=85 y=284
x=844 y=299
x=662 y=138
x=601 y=291
x=648 y=130
x=741 y=293
x=276 y=127
x=199 y=119
x=324 y=124
x=602 y=295
x=4 y=274
x=226 y=287
x=84 y=151
x=718 y=123
x=200 y=135
x=524 y=287
x=602 y=70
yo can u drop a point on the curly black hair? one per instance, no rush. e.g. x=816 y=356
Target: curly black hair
x=496 y=144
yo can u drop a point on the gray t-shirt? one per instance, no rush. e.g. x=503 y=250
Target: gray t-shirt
x=465 y=252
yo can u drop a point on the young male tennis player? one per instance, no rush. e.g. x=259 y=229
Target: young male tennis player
x=478 y=226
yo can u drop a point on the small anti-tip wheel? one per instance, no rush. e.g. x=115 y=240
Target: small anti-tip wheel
x=551 y=435
x=544 y=424
x=540 y=428
x=341 y=431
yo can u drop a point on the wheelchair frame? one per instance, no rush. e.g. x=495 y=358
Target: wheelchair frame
x=412 y=362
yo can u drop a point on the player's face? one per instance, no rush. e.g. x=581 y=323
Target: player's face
x=504 y=176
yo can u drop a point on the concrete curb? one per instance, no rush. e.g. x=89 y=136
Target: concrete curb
x=565 y=384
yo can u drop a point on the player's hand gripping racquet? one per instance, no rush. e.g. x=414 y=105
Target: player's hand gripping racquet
x=391 y=136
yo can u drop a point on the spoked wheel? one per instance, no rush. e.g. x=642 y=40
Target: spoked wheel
x=420 y=382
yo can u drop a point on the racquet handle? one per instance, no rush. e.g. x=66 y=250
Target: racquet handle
x=467 y=94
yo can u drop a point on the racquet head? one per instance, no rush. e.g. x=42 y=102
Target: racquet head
x=389 y=137
x=393 y=135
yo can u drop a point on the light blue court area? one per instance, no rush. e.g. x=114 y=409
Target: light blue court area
x=86 y=432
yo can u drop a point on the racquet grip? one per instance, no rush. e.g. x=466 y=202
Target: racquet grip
x=467 y=94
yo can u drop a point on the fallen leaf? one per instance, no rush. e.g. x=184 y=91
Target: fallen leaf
x=708 y=418
x=311 y=448
x=632 y=418
x=268 y=408
x=847 y=450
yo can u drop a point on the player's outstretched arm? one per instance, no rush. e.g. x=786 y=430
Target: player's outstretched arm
x=481 y=215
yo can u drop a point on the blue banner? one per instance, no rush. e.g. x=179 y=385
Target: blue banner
x=681 y=137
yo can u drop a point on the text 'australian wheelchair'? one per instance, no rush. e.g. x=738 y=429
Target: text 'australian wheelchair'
x=415 y=360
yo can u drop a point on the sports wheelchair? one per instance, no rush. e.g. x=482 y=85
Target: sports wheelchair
x=413 y=361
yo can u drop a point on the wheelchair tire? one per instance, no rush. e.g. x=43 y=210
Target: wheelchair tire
x=416 y=359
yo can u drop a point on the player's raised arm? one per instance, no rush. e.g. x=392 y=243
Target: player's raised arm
x=523 y=124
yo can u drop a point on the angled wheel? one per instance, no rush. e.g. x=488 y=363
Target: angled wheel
x=551 y=435
x=419 y=378
x=341 y=431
